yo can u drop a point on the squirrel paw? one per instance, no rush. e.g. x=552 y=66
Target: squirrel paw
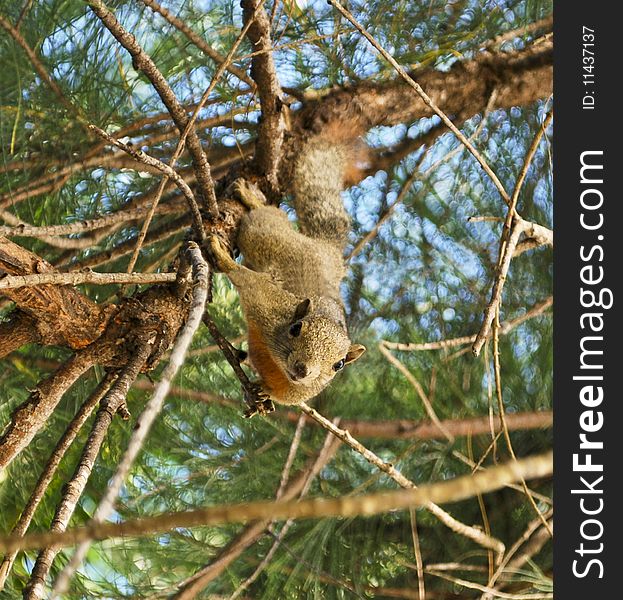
x=222 y=260
x=259 y=402
x=248 y=193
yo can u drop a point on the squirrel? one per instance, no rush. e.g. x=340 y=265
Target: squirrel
x=289 y=283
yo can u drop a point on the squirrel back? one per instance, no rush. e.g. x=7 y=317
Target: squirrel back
x=289 y=284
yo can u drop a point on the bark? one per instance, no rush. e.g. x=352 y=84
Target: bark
x=61 y=315
x=519 y=78
x=29 y=417
x=20 y=329
x=156 y=314
x=264 y=73
x=72 y=492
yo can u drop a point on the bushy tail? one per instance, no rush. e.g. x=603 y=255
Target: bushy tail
x=326 y=162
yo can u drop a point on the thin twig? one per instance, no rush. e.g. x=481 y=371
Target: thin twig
x=320 y=462
x=193 y=585
x=21 y=229
x=426 y=99
x=254 y=403
x=502 y=412
x=169 y=171
x=470 y=532
x=514 y=226
x=428 y=407
x=144 y=63
x=453 y=490
x=496 y=593
x=294 y=445
x=505 y=328
x=418 y=555
x=530 y=529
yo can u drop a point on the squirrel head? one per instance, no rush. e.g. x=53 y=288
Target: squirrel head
x=319 y=346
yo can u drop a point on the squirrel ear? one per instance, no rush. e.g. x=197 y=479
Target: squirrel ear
x=354 y=352
x=301 y=310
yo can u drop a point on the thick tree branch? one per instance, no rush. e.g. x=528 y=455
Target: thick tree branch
x=428 y=101
x=519 y=78
x=19 y=330
x=272 y=126
x=62 y=315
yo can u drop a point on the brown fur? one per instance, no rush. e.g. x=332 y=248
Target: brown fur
x=289 y=286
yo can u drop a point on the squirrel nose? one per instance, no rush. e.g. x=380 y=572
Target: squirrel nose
x=300 y=370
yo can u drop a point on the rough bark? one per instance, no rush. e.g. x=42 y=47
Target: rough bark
x=156 y=314
x=61 y=315
x=29 y=417
x=519 y=79
x=20 y=329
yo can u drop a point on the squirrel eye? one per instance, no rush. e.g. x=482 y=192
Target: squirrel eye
x=295 y=330
x=338 y=365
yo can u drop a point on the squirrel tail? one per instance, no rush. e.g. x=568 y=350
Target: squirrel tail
x=325 y=163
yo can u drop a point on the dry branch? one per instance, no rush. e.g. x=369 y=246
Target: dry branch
x=264 y=73
x=470 y=532
x=143 y=62
x=514 y=227
x=453 y=490
x=50 y=467
x=250 y=534
x=110 y=405
x=153 y=407
x=28 y=418
x=505 y=328
x=80 y=277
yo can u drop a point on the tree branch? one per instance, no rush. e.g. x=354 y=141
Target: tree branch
x=112 y=403
x=453 y=490
x=152 y=409
x=272 y=126
x=28 y=418
x=50 y=467
x=80 y=277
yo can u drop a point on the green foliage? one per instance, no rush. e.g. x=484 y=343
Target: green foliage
x=425 y=277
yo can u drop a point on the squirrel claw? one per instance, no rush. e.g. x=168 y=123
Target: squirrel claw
x=222 y=260
x=259 y=402
x=248 y=193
